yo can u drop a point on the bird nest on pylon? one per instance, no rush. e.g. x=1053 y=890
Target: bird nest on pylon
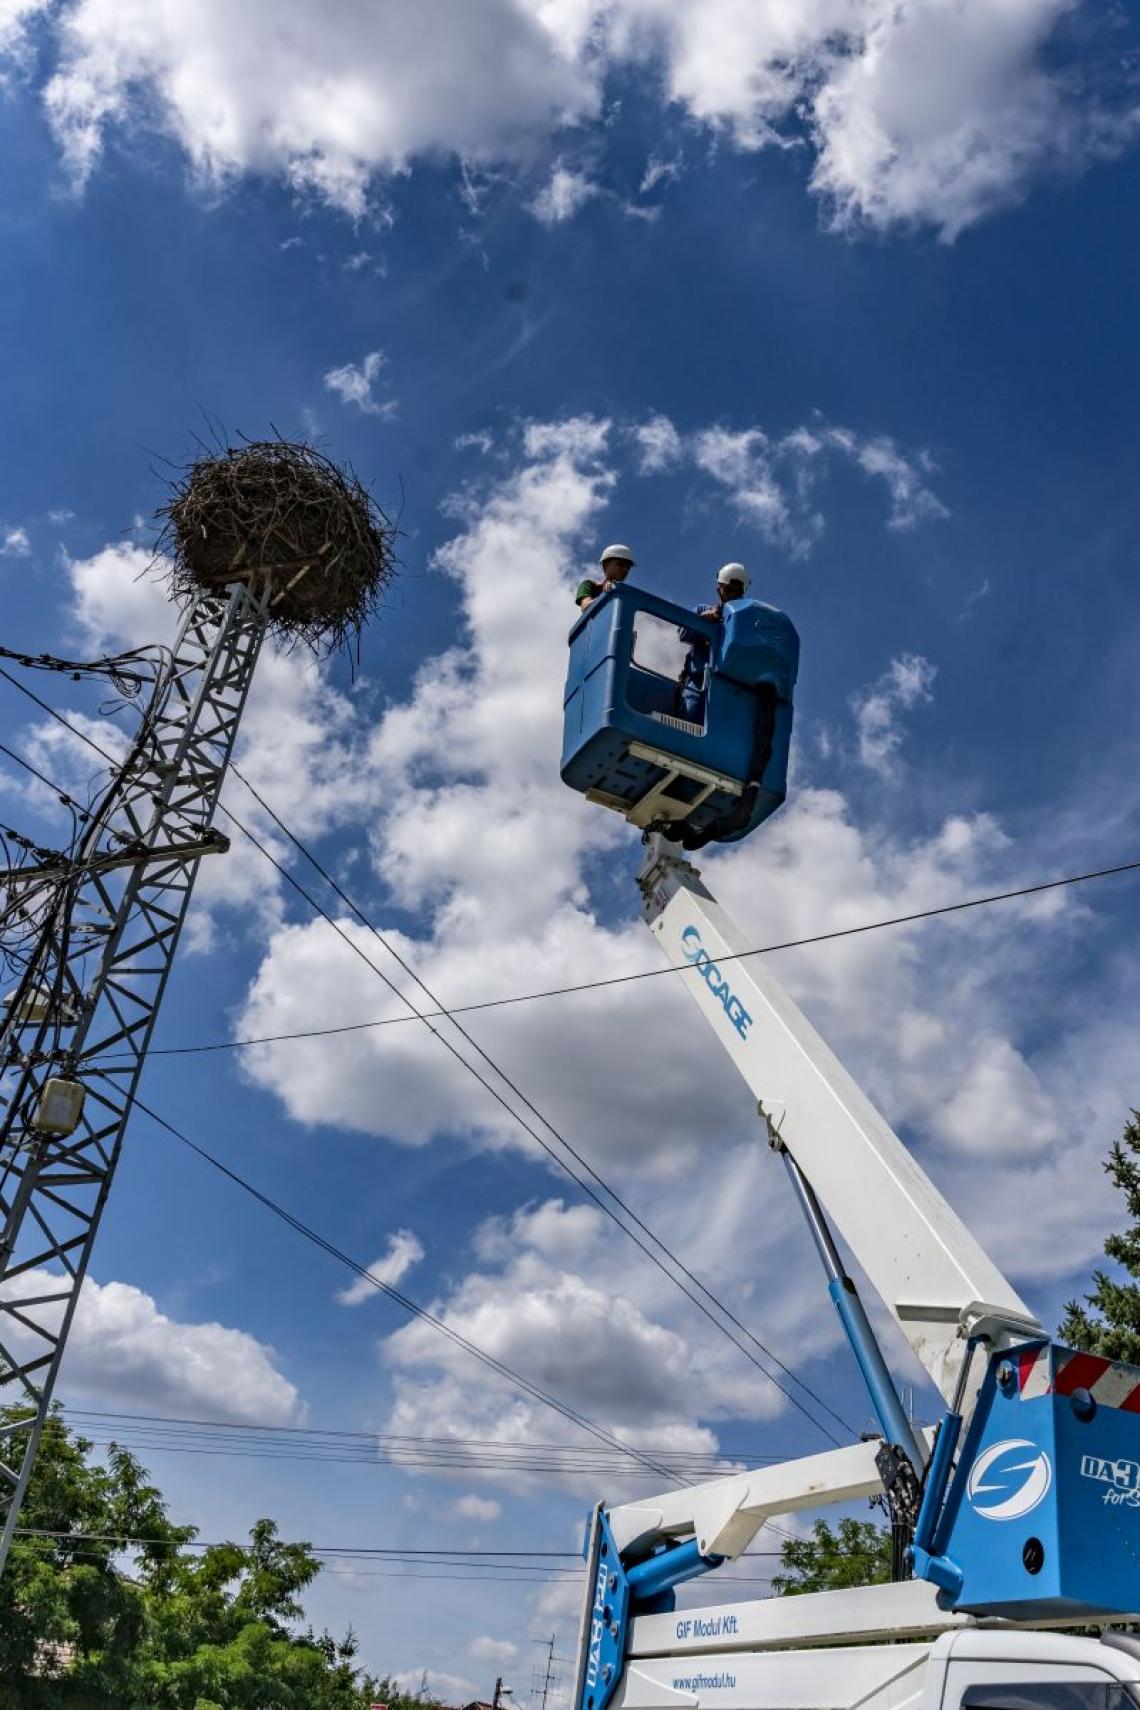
x=302 y=534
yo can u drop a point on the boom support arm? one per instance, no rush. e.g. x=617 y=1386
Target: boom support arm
x=936 y=1280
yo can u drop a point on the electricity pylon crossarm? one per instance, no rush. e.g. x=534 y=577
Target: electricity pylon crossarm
x=83 y=1013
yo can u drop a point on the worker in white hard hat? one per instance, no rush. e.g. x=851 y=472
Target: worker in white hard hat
x=731 y=584
x=615 y=563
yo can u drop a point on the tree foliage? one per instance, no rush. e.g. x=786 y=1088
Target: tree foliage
x=834 y=1558
x=86 y=1624
x=1112 y=1327
x=388 y=1691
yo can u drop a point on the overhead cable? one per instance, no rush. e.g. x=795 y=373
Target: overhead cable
x=498 y=1366
x=155 y=1434
x=654 y=973
x=528 y=1128
x=443 y=1013
x=446 y=1557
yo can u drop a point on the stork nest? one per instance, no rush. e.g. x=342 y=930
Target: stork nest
x=301 y=533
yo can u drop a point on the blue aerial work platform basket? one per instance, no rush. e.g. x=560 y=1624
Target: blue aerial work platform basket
x=627 y=742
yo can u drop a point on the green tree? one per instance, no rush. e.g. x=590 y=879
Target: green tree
x=853 y=1552
x=389 y=1692
x=1113 y=1326
x=180 y=1629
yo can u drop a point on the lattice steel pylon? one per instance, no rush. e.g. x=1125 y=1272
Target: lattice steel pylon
x=85 y=1008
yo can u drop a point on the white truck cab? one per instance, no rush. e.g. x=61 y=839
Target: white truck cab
x=969 y=1667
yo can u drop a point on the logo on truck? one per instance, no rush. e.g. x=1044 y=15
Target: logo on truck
x=1009 y=1479
x=597 y=1622
x=715 y=980
x=1121 y=1477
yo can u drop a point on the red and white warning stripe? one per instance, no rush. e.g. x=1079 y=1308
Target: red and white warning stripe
x=1060 y=1371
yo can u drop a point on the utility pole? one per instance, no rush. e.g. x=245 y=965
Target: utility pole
x=501 y=1692
x=76 y=1028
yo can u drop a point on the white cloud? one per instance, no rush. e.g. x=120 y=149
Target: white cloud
x=354 y=383
x=436 y=1684
x=15 y=543
x=322 y=98
x=658 y=171
x=565 y=1334
x=118 y=602
x=774 y=481
x=745 y=464
x=659 y=444
x=948 y=112
x=561 y=1233
x=905 y=684
x=484 y=1649
x=478 y=440
x=563 y=194
x=122 y=1349
x=404 y=1251
x=483 y=1508
x=925 y=112
x=999 y=1109
x=15 y=18
x=67 y=759
x=916 y=112
x=911 y=501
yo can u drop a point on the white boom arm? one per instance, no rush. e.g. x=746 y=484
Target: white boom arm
x=724 y=1514
x=938 y=1283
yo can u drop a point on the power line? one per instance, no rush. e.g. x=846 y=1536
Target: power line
x=360 y=1552
x=654 y=973
x=645 y=973
x=279 y=1211
x=442 y=1012
x=470 y=1067
x=374 y=1450
x=546 y=1122
x=309 y=1234
x=407 y=1570
x=228 y=1425
x=65 y=798
x=528 y=1128
x=516 y=1090
x=490 y=1361
x=396 y=1551
x=412 y=1462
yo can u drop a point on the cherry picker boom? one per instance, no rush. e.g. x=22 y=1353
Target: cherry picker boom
x=1018 y=1514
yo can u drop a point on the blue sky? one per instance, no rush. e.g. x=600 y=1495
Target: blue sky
x=846 y=292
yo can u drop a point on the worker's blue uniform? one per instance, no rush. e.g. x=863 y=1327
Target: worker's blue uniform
x=694 y=673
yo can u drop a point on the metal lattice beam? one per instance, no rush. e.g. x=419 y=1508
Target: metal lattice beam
x=86 y=1005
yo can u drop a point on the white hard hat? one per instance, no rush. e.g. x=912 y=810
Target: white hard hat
x=732 y=573
x=618 y=551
